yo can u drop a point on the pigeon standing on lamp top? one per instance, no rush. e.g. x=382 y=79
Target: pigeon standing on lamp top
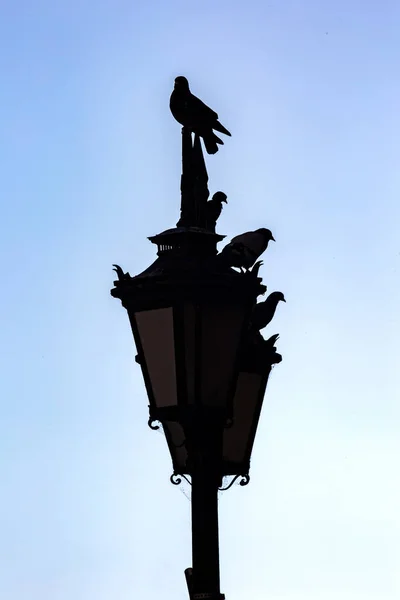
x=263 y=312
x=244 y=249
x=192 y=113
x=214 y=209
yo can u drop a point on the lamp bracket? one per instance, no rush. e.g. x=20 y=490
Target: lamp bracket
x=151 y=422
x=245 y=480
x=175 y=479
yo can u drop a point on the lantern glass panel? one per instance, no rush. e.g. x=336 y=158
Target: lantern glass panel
x=238 y=439
x=190 y=323
x=156 y=333
x=175 y=439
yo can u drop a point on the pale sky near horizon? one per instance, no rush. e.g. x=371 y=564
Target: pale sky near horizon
x=90 y=166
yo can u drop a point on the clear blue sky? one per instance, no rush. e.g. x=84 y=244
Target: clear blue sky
x=90 y=166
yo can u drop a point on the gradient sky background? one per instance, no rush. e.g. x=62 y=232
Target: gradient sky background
x=90 y=166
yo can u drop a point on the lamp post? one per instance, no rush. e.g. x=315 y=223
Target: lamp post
x=204 y=367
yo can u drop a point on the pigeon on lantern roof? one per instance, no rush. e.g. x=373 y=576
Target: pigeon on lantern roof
x=263 y=313
x=243 y=250
x=192 y=113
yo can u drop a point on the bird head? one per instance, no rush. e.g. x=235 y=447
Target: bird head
x=267 y=233
x=277 y=296
x=181 y=83
x=220 y=197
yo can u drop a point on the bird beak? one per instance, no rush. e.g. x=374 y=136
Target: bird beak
x=272 y=238
x=225 y=200
x=283 y=300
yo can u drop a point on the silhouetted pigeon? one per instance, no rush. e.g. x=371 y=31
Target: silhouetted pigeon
x=244 y=249
x=191 y=112
x=214 y=209
x=263 y=312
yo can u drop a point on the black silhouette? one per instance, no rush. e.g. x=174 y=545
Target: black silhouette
x=256 y=269
x=194 y=182
x=276 y=358
x=214 y=209
x=270 y=348
x=253 y=273
x=263 y=312
x=120 y=273
x=272 y=341
x=244 y=249
x=192 y=113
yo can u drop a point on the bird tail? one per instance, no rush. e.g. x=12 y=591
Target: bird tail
x=219 y=127
x=211 y=142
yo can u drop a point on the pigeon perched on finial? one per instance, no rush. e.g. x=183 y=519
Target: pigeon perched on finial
x=214 y=209
x=243 y=250
x=263 y=313
x=192 y=113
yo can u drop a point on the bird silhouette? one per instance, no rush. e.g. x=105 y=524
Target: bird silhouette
x=214 y=209
x=263 y=312
x=192 y=113
x=243 y=250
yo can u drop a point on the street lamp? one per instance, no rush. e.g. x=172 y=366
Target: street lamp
x=204 y=366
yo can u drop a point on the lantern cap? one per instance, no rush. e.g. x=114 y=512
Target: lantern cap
x=192 y=233
x=187 y=241
x=187 y=266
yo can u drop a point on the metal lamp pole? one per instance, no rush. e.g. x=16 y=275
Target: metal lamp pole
x=206 y=443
